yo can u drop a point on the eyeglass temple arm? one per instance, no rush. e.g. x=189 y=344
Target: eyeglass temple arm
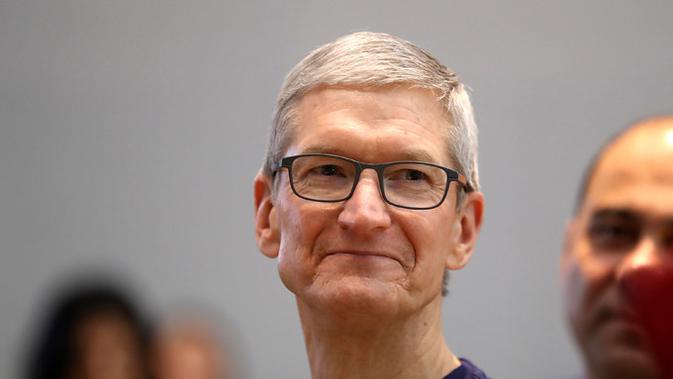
x=463 y=181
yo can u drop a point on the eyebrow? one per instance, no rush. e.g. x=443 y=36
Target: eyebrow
x=622 y=213
x=402 y=155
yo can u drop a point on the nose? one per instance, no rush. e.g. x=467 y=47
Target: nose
x=643 y=258
x=646 y=270
x=366 y=210
x=646 y=279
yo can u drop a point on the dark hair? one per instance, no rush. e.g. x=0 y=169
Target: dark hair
x=54 y=350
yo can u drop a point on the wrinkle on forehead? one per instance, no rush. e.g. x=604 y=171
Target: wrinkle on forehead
x=413 y=114
x=406 y=105
x=407 y=154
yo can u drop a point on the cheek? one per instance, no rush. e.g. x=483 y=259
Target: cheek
x=574 y=288
x=588 y=275
x=300 y=226
x=430 y=238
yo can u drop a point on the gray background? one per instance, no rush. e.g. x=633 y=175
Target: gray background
x=131 y=131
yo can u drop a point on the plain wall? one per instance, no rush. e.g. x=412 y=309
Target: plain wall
x=130 y=132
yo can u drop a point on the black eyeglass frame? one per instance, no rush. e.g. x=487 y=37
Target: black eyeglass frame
x=451 y=176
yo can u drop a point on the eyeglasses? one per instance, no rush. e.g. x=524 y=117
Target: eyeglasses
x=332 y=178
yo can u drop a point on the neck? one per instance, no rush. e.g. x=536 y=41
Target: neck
x=357 y=348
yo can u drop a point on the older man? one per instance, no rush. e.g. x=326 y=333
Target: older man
x=368 y=194
x=618 y=259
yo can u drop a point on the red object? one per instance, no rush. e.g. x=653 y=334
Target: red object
x=649 y=288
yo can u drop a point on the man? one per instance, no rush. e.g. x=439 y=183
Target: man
x=618 y=259
x=368 y=193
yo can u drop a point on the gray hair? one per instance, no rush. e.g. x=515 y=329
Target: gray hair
x=368 y=59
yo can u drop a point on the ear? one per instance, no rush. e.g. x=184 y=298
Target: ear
x=267 y=232
x=466 y=230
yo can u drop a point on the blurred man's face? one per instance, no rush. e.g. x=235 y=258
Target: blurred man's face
x=189 y=351
x=362 y=253
x=619 y=254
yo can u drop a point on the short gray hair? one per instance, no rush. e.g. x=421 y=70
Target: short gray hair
x=367 y=59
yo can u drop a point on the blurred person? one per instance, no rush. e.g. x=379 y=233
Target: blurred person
x=190 y=346
x=368 y=195
x=617 y=264
x=93 y=330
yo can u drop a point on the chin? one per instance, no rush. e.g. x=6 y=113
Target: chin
x=622 y=362
x=354 y=297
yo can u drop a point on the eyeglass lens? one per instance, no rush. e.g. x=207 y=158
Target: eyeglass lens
x=324 y=178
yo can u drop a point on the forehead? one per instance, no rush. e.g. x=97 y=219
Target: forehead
x=373 y=124
x=635 y=173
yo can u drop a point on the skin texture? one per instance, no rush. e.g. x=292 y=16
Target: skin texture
x=617 y=262
x=367 y=275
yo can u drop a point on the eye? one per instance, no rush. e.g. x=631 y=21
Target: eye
x=328 y=170
x=613 y=236
x=407 y=174
x=413 y=175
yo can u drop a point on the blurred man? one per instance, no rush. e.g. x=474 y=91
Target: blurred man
x=368 y=194
x=618 y=259
x=188 y=346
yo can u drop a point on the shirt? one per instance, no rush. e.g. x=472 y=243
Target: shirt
x=466 y=371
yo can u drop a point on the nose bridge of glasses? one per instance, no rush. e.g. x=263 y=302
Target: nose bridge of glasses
x=374 y=175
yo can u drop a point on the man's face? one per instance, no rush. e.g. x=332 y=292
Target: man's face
x=363 y=253
x=619 y=250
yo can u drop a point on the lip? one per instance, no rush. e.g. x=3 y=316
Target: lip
x=618 y=316
x=614 y=314
x=363 y=253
